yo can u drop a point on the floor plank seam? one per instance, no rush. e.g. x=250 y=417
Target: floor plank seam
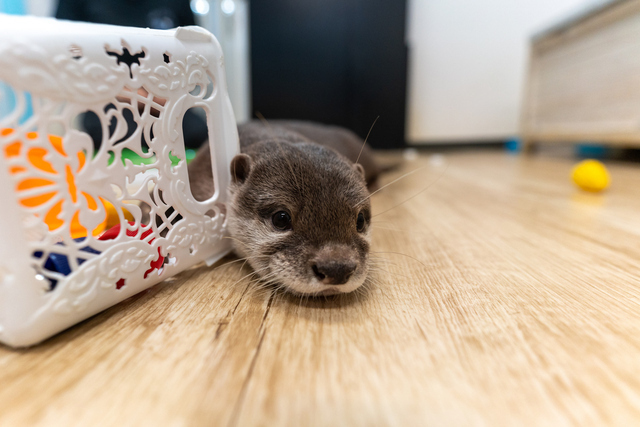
x=243 y=391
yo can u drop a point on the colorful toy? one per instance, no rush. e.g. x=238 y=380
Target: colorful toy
x=144 y=231
x=591 y=175
x=42 y=190
x=59 y=263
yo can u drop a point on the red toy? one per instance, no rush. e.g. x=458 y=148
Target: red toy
x=114 y=231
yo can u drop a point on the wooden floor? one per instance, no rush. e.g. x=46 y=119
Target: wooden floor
x=502 y=296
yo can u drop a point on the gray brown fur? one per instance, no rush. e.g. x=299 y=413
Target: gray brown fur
x=282 y=168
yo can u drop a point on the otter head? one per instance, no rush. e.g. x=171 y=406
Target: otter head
x=300 y=214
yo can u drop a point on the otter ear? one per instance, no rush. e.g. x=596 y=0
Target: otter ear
x=240 y=167
x=358 y=167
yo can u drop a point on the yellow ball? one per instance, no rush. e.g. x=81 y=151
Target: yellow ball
x=591 y=175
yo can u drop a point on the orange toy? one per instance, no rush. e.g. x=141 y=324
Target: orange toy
x=37 y=191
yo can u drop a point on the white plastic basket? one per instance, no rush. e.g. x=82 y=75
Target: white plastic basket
x=73 y=237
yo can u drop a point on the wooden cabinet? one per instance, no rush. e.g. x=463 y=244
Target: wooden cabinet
x=584 y=78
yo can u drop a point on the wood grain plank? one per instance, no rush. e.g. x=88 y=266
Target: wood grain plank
x=501 y=295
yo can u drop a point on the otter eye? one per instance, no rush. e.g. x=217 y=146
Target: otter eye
x=281 y=220
x=360 y=222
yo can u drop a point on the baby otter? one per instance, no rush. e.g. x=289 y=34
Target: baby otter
x=299 y=209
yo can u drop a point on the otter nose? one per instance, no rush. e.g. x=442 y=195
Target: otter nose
x=333 y=271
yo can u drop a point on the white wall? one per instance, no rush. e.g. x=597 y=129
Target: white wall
x=467 y=65
x=41 y=7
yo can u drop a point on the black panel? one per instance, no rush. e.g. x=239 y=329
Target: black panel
x=341 y=62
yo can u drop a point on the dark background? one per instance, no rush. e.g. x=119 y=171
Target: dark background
x=340 y=62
